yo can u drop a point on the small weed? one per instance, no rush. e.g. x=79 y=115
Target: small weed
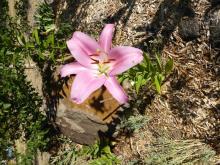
x=97 y=154
x=45 y=18
x=134 y=123
x=149 y=70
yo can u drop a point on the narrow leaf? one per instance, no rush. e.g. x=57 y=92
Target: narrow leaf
x=36 y=36
x=20 y=40
x=169 y=66
x=157 y=84
x=138 y=83
x=159 y=64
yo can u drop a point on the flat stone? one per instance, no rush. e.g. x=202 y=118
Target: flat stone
x=78 y=126
x=189 y=28
x=84 y=122
x=215 y=2
x=215 y=28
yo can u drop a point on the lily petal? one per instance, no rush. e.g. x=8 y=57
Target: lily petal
x=124 y=57
x=81 y=46
x=116 y=90
x=105 y=39
x=88 y=44
x=71 y=68
x=78 y=53
x=84 y=84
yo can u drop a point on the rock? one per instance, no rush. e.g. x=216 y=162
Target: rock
x=83 y=123
x=215 y=35
x=215 y=2
x=215 y=28
x=189 y=28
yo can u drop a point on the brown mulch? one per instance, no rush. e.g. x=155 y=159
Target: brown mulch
x=189 y=106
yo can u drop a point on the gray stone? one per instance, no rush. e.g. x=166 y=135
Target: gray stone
x=78 y=126
x=84 y=122
x=189 y=28
x=215 y=2
x=215 y=28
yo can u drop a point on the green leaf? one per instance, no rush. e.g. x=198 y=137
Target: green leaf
x=6 y=106
x=160 y=77
x=45 y=44
x=20 y=40
x=141 y=67
x=159 y=64
x=146 y=58
x=122 y=78
x=138 y=83
x=169 y=66
x=41 y=54
x=50 y=28
x=106 y=150
x=157 y=84
x=36 y=35
x=50 y=39
x=147 y=61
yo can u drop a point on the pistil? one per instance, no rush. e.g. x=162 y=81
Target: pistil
x=101 y=59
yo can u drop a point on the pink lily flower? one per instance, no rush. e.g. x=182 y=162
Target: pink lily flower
x=98 y=64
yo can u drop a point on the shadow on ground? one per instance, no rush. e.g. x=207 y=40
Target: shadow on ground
x=167 y=18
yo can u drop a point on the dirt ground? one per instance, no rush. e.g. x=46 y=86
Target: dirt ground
x=187 y=31
x=189 y=106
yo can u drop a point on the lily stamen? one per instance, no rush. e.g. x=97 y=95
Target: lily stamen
x=95 y=54
x=95 y=60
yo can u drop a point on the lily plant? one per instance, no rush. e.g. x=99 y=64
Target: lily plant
x=98 y=64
